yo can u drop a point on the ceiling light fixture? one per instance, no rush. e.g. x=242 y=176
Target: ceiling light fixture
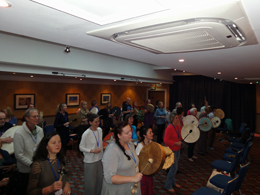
x=236 y=78
x=31 y=75
x=80 y=79
x=67 y=49
x=69 y=74
x=175 y=69
x=181 y=60
x=183 y=71
x=5 y=3
x=251 y=83
x=14 y=73
x=219 y=72
x=114 y=79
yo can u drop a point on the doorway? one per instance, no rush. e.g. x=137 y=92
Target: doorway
x=157 y=95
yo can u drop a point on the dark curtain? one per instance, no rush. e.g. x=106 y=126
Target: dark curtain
x=238 y=101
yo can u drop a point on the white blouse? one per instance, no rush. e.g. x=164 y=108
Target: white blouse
x=91 y=140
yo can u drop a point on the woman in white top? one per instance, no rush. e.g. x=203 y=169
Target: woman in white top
x=147 y=184
x=92 y=147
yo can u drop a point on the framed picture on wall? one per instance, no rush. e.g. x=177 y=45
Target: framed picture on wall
x=22 y=101
x=72 y=99
x=105 y=97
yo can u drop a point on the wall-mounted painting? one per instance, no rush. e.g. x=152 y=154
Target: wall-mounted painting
x=105 y=97
x=72 y=99
x=22 y=101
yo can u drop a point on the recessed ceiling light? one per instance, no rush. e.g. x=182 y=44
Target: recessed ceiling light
x=175 y=69
x=80 y=79
x=14 y=73
x=141 y=82
x=160 y=83
x=236 y=78
x=219 y=72
x=251 y=83
x=181 y=60
x=76 y=77
x=5 y=3
x=183 y=71
x=114 y=79
x=31 y=75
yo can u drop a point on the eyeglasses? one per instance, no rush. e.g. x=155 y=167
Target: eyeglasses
x=36 y=116
x=2 y=119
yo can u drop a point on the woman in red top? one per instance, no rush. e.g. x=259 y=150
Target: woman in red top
x=173 y=140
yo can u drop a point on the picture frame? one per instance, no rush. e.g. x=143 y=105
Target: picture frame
x=22 y=101
x=72 y=99
x=105 y=98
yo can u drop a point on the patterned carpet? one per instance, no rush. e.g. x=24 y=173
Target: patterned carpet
x=192 y=176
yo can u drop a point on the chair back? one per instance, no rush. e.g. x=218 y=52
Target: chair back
x=48 y=129
x=246 y=152
x=242 y=128
x=241 y=175
x=236 y=161
x=251 y=137
x=230 y=186
x=228 y=124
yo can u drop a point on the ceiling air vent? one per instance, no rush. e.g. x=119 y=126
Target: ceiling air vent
x=184 y=36
x=217 y=27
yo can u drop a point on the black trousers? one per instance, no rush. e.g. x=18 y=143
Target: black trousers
x=160 y=131
x=191 y=149
x=24 y=181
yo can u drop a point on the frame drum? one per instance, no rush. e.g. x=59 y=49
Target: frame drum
x=154 y=151
x=9 y=147
x=205 y=124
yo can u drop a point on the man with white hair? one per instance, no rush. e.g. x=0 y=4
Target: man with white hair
x=178 y=104
x=26 y=139
x=4 y=126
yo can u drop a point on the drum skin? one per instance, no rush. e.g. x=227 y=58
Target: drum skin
x=190 y=119
x=9 y=147
x=205 y=124
x=150 y=107
x=219 y=113
x=216 y=122
x=154 y=151
x=74 y=120
x=190 y=137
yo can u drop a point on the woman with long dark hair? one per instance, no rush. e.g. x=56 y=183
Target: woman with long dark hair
x=146 y=135
x=120 y=163
x=48 y=165
x=129 y=119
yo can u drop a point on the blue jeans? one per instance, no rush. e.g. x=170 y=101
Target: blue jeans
x=170 y=179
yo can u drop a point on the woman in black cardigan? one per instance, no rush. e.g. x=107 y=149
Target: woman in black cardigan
x=61 y=124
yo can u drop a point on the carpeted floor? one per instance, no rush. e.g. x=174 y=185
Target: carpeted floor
x=192 y=176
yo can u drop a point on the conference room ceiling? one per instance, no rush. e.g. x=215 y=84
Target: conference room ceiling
x=34 y=20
